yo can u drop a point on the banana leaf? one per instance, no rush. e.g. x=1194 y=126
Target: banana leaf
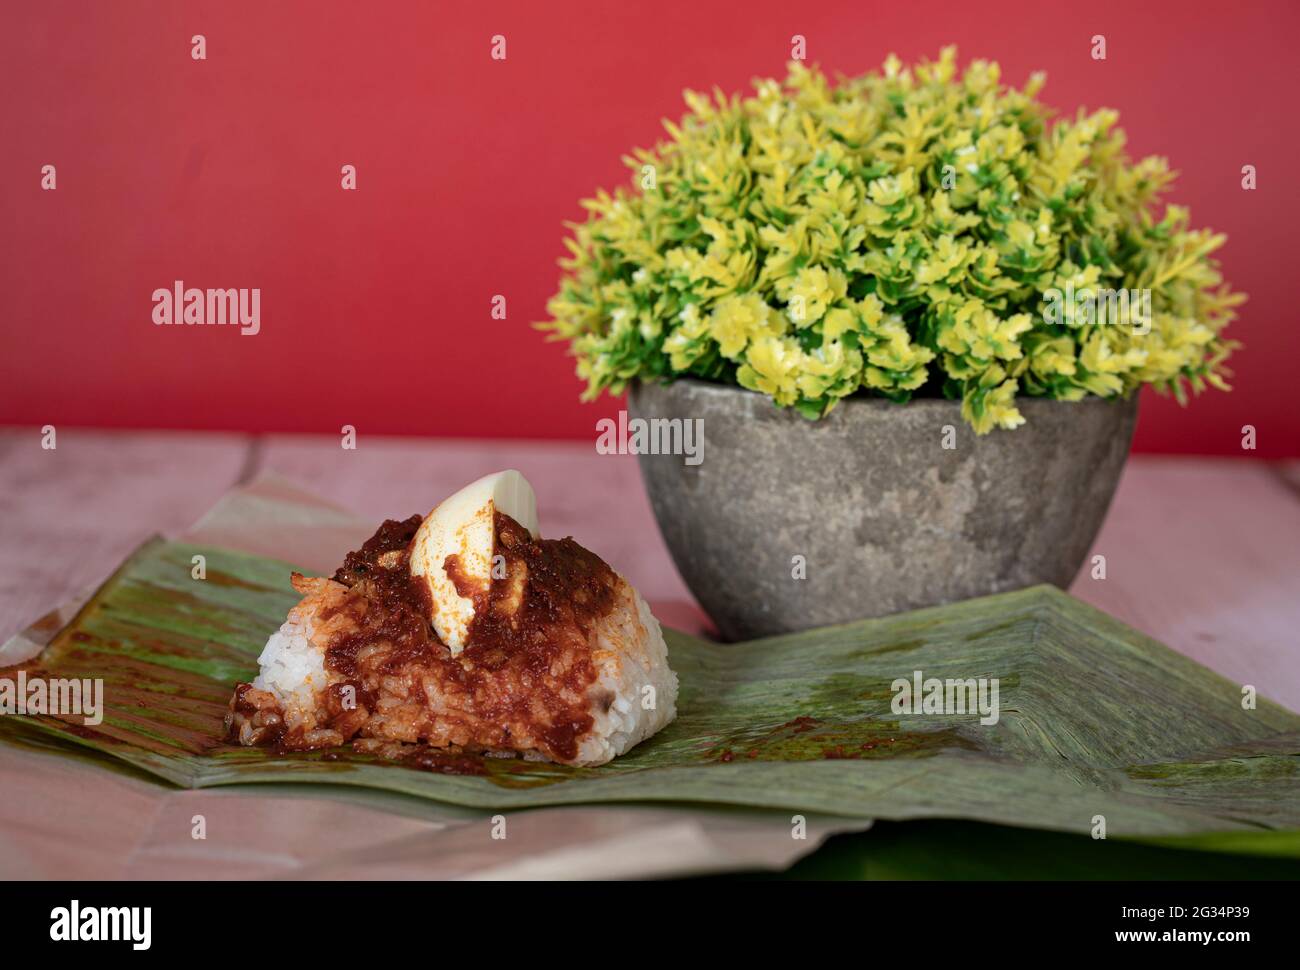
x=941 y=849
x=1098 y=723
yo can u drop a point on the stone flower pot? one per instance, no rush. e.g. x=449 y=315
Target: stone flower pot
x=884 y=517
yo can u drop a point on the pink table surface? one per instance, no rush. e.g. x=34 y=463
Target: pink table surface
x=1202 y=554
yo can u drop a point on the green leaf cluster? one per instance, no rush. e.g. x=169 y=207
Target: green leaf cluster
x=894 y=234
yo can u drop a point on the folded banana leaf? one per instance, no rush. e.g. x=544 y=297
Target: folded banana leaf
x=1098 y=725
x=943 y=849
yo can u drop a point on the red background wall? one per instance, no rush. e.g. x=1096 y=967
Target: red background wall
x=375 y=303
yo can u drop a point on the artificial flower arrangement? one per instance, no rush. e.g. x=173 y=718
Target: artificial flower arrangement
x=902 y=233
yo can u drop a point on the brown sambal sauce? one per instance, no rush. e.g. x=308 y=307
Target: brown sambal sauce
x=527 y=661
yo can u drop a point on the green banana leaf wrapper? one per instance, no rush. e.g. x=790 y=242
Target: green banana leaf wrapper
x=1100 y=729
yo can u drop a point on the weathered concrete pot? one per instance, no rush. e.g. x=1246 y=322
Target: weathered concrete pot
x=885 y=518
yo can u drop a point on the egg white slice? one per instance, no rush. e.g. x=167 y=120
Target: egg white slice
x=462 y=526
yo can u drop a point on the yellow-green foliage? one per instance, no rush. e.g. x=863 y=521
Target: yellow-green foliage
x=896 y=231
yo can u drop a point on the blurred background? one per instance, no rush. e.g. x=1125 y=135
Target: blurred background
x=376 y=304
